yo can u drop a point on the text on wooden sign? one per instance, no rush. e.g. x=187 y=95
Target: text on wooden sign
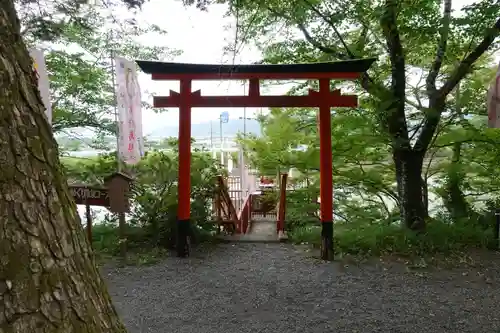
x=93 y=196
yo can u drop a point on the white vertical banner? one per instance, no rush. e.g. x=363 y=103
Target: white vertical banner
x=43 y=80
x=128 y=96
x=494 y=102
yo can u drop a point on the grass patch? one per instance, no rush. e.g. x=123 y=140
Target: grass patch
x=377 y=240
x=105 y=243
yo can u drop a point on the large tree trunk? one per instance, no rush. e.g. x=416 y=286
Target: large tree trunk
x=408 y=162
x=454 y=197
x=48 y=278
x=409 y=180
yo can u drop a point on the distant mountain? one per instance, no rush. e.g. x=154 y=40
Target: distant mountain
x=202 y=130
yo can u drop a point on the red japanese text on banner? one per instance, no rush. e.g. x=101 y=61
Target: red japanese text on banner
x=131 y=145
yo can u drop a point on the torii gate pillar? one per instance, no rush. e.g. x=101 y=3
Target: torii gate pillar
x=184 y=227
x=325 y=99
x=325 y=171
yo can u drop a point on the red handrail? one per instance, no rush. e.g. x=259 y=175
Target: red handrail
x=245 y=213
x=225 y=206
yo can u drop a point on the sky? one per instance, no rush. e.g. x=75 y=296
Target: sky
x=202 y=37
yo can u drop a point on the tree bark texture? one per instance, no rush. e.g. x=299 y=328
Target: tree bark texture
x=410 y=188
x=407 y=161
x=48 y=278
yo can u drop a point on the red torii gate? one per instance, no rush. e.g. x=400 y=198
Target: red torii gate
x=186 y=99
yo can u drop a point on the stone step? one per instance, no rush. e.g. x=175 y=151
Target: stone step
x=263 y=228
x=247 y=238
x=261 y=231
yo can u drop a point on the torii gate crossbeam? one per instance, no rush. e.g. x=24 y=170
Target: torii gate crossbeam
x=324 y=99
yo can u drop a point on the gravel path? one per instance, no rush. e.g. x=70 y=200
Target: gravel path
x=276 y=288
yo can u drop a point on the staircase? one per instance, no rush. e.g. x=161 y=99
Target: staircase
x=256 y=221
x=262 y=230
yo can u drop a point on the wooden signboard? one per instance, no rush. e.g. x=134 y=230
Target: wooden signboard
x=118 y=185
x=115 y=196
x=92 y=196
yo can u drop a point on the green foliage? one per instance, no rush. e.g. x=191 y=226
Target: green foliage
x=365 y=192
x=422 y=55
x=79 y=41
x=105 y=243
x=302 y=207
x=156 y=194
x=460 y=167
x=152 y=219
x=90 y=171
x=105 y=239
x=363 y=239
x=363 y=176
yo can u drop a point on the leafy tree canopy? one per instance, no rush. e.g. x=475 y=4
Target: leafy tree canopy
x=424 y=49
x=80 y=39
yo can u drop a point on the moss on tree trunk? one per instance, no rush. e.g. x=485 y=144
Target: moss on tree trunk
x=48 y=278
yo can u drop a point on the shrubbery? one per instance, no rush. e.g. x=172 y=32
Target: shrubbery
x=379 y=239
x=362 y=230
x=105 y=240
x=152 y=219
x=371 y=228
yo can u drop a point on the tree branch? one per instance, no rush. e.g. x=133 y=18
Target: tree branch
x=417 y=128
x=396 y=109
x=366 y=81
x=465 y=65
x=470 y=140
x=316 y=44
x=381 y=187
x=441 y=49
x=330 y=23
x=479 y=194
x=440 y=129
x=430 y=159
x=350 y=54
